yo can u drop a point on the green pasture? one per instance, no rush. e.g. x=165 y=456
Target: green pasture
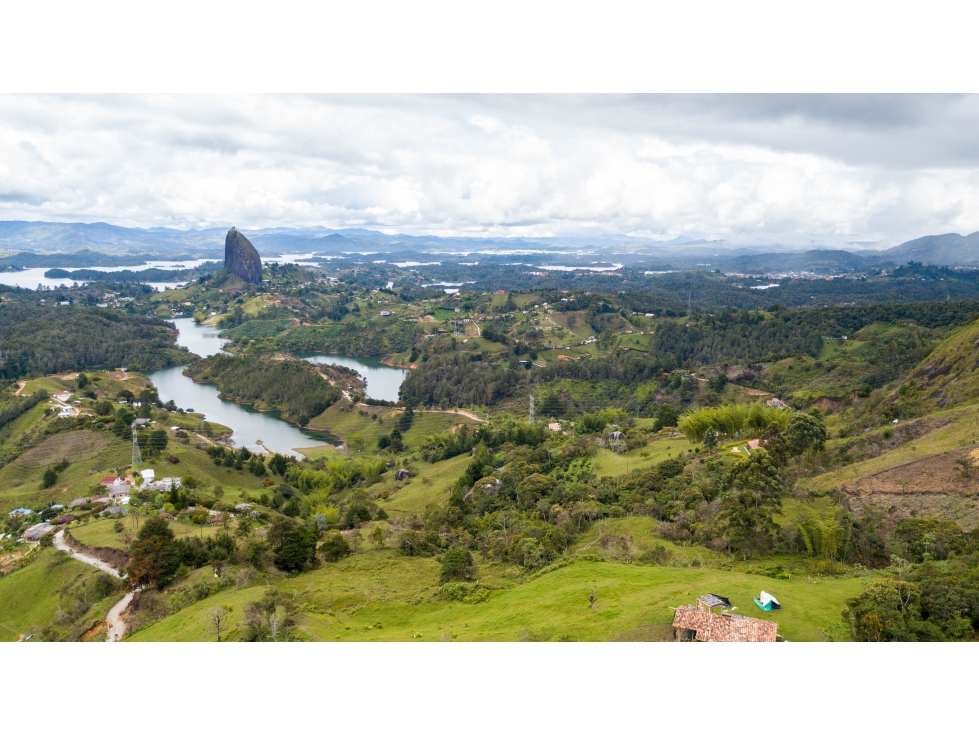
x=610 y=464
x=378 y=595
x=29 y=597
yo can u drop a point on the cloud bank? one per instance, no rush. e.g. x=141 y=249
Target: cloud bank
x=849 y=170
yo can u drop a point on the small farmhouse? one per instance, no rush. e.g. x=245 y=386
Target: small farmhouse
x=693 y=624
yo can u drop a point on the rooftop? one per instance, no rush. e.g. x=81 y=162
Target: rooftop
x=723 y=627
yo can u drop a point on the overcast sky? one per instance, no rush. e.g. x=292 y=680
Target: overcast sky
x=798 y=170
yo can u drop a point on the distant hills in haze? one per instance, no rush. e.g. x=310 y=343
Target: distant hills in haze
x=47 y=238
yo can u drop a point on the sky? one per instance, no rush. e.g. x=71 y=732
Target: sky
x=855 y=171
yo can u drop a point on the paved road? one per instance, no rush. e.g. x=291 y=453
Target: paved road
x=116 y=626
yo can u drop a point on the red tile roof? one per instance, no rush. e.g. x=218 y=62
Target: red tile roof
x=724 y=627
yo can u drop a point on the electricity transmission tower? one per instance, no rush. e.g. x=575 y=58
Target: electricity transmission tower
x=137 y=457
x=531 y=408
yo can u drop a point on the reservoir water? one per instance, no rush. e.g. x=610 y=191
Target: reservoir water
x=383 y=382
x=248 y=424
x=31 y=278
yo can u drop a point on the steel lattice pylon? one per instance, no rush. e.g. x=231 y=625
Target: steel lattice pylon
x=137 y=457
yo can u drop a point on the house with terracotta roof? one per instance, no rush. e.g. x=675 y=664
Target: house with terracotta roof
x=701 y=625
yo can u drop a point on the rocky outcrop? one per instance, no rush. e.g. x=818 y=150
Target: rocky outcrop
x=241 y=258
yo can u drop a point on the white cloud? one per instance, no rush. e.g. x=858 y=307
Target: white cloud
x=788 y=169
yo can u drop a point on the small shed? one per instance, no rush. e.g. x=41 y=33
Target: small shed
x=713 y=601
x=402 y=475
x=693 y=624
x=64 y=519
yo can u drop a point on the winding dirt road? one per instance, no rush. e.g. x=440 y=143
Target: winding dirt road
x=116 y=626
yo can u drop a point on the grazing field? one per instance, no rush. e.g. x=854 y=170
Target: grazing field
x=29 y=597
x=378 y=595
x=432 y=484
x=21 y=482
x=610 y=464
x=103 y=533
x=343 y=419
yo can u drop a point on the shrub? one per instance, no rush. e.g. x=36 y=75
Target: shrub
x=334 y=547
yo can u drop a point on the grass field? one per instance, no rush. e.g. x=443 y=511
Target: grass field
x=379 y=595
x=610 y=464
x=432 y=484
x=343 y=419
x=29 y=597
x=20 y=483
x=102 y=532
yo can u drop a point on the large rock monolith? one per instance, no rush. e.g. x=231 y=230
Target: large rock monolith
x=241 y=258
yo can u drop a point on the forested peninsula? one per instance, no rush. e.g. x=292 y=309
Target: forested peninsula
x=292 y=386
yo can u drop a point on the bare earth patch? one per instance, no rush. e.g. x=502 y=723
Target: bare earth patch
x=932 y=487
x=74 y=446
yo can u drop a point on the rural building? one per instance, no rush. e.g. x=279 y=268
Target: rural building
x=701 y=625
x=36 y=532
x=753 y=444
x=20 y=512
x=615 y=436
x=105 y=481
x=118 y=490
x=243 y=507
x=554 y=426
x=148 y=475
x=80 y=502
x=63 y=519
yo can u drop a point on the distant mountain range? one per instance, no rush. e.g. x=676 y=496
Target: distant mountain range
x=45 y=238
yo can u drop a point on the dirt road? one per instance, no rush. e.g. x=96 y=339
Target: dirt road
x=116 y=626
x=61 y=545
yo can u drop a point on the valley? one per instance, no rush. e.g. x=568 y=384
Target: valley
x=337 y=451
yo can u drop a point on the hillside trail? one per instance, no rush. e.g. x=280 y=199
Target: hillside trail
x=116 y=625
x=456 y=412
x=20 y=386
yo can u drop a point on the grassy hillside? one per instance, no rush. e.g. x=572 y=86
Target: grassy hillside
x=343 y=419
x=30 y=597
x=103 y=533
x=379 y=595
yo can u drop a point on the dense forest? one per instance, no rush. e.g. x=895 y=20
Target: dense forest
x=294 y=387
x=361 y=340
x=41 y=340
x=728 y=338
